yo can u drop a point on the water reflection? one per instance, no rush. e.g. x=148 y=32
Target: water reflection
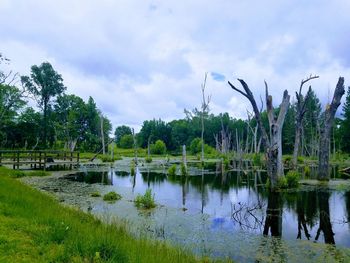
x=239 y=201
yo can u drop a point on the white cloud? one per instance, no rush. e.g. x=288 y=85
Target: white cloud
x=146 y=59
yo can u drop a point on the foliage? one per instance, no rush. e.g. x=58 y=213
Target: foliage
x=112 y=196
x=120 y=131
x=257 y=159
x=345 y=124
x=292 y=178
x=106 y=158
x=307 y=171
x=158 y=148
x=146 y=200
x=196 y=147
x=36 y=228
x=44 y=83
x=19 y=173
x=148 y=159
x=126 y=141
x=172 y=170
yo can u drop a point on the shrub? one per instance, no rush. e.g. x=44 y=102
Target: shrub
x=158 y=148
x=300 y=159
x=17 y=174
x=95 y=194
x=148 y=159
x=112 y=196
x=107 y=158
x=292 y=178
x=196 y=147
x=282 y=182
x=146 y=200
x=126 y=141
x=172 y=170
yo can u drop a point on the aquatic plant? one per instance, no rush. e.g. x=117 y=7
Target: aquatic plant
x=148 y=159
x=146 y=200
x=95 y=194
x=172 y=170
x=292 y=178
x=112 y=196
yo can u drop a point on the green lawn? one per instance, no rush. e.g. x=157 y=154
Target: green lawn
x=36 y=228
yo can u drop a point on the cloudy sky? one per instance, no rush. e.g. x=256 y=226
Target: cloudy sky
x=146 y=59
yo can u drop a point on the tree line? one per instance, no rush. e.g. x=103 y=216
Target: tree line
x=241 y=134
x=60 y=121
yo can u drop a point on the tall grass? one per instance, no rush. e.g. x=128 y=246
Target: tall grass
x=36 y=228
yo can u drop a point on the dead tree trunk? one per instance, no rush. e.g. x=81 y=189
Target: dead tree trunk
x=323 y=153
x=272 y=144
x=301 y=103
x=205 y=106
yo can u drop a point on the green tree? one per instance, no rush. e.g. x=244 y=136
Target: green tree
x=345 y=124
x=311 y=125
x=126 y=141
x=44 y=83
x=120 y=131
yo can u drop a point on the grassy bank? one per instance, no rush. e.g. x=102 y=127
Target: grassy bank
x=36 y=228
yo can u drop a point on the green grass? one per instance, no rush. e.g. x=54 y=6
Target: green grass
x=36 y=228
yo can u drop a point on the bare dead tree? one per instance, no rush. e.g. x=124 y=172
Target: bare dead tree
x=205 y=107
x=273 y=143
x=301 y=110
x=323 y=153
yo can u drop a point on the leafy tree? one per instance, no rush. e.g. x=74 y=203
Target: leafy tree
x=126 y=141
x=44 y=84
x=154 y=130
x=11 y=101
x=311 y=125
x=345 y=124
x=120 y=131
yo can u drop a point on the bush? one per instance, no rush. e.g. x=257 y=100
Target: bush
x=112 y=196
x=106 y=158
x=292 y=178
x=146 y=200
x=196 y=147
x=18 y=174
x=148 y=159
x=126 y=141
x=300 y=159
x=158 y=148
x=172 y=170
x=282 y=182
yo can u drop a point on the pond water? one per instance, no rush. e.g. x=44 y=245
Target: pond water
x=231 y=214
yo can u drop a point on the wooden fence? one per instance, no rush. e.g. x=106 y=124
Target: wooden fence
x=39 y=159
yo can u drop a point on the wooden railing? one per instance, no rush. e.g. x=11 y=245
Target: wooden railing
x=39 y=159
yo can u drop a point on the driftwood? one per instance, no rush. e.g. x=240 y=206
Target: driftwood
x=323 y=155
x=273 y=143
x=301 y=103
